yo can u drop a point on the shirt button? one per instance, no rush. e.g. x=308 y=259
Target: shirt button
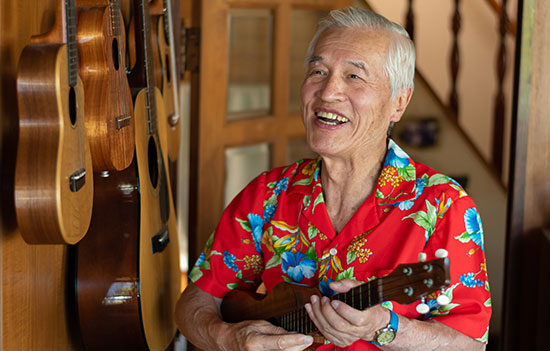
x=333 y=251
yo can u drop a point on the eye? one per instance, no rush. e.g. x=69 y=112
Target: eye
x=354 y=76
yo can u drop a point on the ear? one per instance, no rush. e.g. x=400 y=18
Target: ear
x=400 y=102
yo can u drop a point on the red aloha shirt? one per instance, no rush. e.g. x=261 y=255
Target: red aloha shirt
x=277 y=229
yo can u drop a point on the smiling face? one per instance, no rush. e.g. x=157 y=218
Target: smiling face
x=346 y=106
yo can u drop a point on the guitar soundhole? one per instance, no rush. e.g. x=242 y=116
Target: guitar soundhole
x=167 y=65
x=116 y=57
x=72 y=106
x=152 y=156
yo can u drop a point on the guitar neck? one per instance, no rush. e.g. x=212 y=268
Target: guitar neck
x=72 y=50
x=143 y=76
x=406 y=284
x=360 y=298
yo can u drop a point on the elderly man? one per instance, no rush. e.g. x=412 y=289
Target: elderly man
x=347 y=217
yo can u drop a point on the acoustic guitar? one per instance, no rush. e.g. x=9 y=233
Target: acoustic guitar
x=53 y=182
x=109 y=114
x=165 y=70
x=128 y=277
x=284 y=305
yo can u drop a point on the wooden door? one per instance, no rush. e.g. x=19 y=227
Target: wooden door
x=247 y=98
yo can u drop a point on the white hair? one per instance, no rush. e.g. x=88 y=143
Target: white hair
x=399 y=65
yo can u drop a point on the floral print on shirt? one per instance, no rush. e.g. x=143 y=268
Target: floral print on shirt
x=278 y=230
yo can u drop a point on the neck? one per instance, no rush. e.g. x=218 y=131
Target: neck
x=348 y=181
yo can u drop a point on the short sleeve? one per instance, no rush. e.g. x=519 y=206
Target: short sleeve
x=460 y=232
x=232 y=256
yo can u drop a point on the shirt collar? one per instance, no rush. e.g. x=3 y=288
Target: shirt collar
x=396 y=182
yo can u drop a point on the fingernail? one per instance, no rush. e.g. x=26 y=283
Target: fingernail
x=335 y=303
x=324 y=300
x=314 y=299
x=308 y=340
x=308 y=307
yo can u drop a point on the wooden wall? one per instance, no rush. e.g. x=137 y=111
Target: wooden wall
x=34 y=290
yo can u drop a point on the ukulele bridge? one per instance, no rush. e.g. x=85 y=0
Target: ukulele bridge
x=160 y=240
x=77 y=180
x=122 y=121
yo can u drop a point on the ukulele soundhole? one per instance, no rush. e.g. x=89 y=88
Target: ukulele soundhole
x=116 y=56
x=152 y=156
x=72 y=106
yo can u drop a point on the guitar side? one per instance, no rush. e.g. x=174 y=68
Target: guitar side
x=52 y=148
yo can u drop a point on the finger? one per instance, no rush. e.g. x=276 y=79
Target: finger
x=290 y=341
x=323 y=315
x=344 y=285
x=351 y=315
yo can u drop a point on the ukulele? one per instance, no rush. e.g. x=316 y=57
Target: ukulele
x=108 y=114
x=284 y=305
x=165 y=71
x=53 y=183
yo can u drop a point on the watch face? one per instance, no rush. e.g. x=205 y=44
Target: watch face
x=385 y=336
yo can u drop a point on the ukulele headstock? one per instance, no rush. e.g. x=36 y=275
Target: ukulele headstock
x=412 y=281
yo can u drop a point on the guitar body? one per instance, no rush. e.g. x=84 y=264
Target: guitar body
x=165 y=81
x=109 y=114
x=126 y=285
x=106 y=276
x=52 y=147
x=159 y=271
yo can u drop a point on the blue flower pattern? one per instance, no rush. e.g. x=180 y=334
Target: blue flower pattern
x=297 y=266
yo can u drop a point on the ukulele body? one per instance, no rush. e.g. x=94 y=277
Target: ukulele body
x=52 y=147
x=109 y=115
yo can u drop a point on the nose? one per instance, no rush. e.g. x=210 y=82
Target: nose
x=331 y=89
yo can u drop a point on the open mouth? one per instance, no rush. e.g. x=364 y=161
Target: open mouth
x=330 y=118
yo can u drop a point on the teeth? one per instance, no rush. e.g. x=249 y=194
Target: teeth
x=332 y=116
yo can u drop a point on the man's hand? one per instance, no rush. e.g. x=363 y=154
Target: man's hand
x=262 y=335
x=341 y=324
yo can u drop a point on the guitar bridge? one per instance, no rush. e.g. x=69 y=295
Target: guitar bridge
x=160 y=240
x=122 y=121
x=77 y=180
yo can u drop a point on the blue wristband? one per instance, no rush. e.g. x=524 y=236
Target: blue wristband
x=390 y=329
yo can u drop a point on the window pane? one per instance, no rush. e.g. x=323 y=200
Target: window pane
x=250 y=63
x=303 y=24
x=242 y=164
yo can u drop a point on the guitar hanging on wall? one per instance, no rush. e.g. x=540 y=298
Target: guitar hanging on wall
x=109 y=113
x=166 y=72
x=284 y=305
x=127 y=266
x=53 y=183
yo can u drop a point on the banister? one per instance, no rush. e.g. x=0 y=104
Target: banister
x=498 y=9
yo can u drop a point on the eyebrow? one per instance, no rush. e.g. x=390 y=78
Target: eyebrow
x=359 y=64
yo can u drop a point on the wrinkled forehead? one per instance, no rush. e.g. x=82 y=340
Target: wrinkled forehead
x=353 y=44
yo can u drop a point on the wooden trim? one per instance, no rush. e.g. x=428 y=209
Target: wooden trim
x=529 y=197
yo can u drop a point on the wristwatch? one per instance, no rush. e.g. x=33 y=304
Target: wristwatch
x=387 y=334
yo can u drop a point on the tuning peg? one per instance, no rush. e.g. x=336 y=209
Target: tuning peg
x=441 y=253
x=422 y=308
x=442 y=299
x=421 y=257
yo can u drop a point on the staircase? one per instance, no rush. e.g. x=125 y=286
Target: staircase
x=463 y=90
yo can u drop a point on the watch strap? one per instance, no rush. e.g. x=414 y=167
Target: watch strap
x=394 y=324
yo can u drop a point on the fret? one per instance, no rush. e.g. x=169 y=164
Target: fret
x=148 y=65
x=72 y=50
x=114 y=8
